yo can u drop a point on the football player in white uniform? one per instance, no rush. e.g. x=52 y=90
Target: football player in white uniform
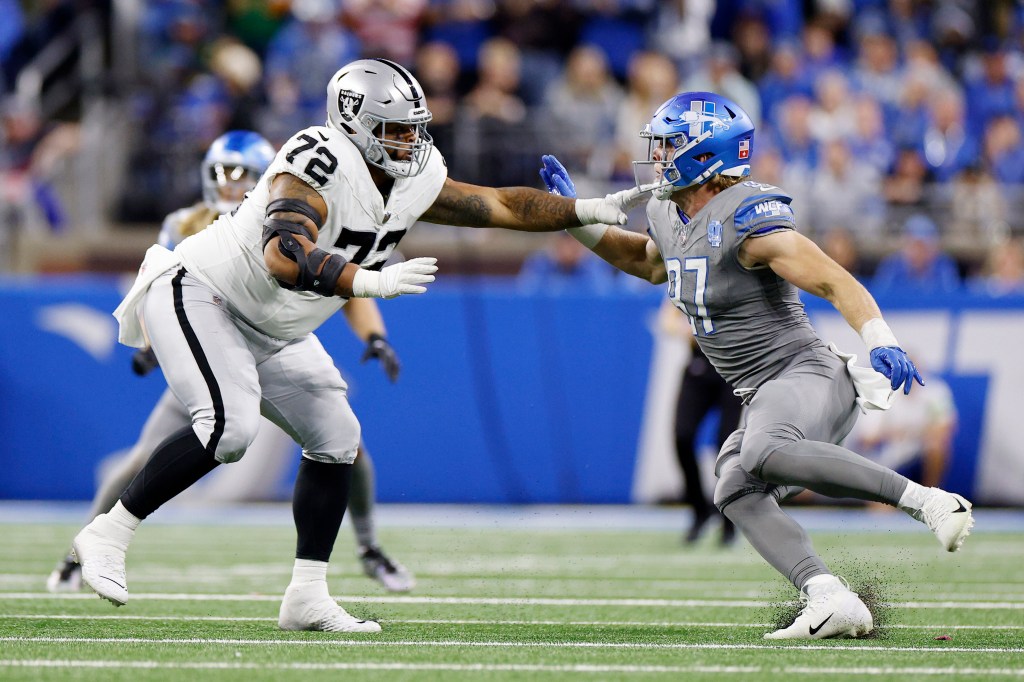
x=728 y=248
x=231 y=167
x=230 y=313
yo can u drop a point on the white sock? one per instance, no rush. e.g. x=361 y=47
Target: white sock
x=823 y=582
x=308 y=571
x=912 y=499
x=120 y=523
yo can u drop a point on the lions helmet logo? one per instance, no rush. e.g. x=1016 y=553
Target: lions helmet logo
x=349 y=104
x=702 y=117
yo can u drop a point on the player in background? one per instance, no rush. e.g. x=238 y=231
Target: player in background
x=232 y=166
x=729 y=250
x=231 y=312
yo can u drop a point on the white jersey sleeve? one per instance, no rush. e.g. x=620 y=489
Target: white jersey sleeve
x=172 y=231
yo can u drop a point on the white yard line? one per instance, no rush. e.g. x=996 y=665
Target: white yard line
x=450 y=621
x=514 y=601
x=507 y=667
x=499 y=645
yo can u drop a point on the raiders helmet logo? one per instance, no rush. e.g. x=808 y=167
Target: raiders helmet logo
x=349 y=104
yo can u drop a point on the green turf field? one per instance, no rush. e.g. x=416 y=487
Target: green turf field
x=499 y=602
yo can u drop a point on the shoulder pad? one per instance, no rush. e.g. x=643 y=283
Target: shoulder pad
x=765 y=212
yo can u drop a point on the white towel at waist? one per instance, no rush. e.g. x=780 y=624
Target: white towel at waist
x=873 y=390
x=158 y=260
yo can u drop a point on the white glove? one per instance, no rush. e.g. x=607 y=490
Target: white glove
x=394 y=280
x=611 y=209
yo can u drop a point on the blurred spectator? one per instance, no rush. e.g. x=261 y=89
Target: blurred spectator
x=915 y=438
x=920 y=267
x=254 y=22
x=721 y=76
x=11 y=30
x=680 y=30
x=652 y=80
x=385 y=28
x=906 y=186
x=784 y=79
x=565 y=265
x=838 y=243
x=753 y=39
x=304 y=55
x=493 y=132
x=544 y=31
x=463 y=24
x=978 y=209
x=868 y=140
x=437 y=69
x=877 y=69
x=831 y=118
x=240 y=71
x=819 y=50
x=495 y=95
x=793 y=131
x=617 y=27
x=990 y=89
x=1003 y=272
x=846 y=191
x=582 y=106
x=1003 y=150
x=948 y=145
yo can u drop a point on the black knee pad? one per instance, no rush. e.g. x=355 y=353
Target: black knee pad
x=735 y=482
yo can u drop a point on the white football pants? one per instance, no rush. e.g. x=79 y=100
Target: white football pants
x=226 y=373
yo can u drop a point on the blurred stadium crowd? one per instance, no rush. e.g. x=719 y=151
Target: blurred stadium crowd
x=895 y=124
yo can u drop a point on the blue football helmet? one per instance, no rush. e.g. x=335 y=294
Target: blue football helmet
x=693 y=136
x=232 y=166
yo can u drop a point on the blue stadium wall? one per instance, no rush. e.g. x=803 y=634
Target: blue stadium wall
x=504 y=397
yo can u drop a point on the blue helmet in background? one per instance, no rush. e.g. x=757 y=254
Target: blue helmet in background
x=693 y=136
x=232 y=166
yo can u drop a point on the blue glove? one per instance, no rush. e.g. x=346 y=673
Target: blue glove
x=556 y=178
x=893 y=362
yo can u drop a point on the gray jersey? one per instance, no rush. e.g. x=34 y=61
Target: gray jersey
x=749 y=322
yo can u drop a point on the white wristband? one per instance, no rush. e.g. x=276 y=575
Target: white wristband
x=876 y=333
x=366 y=284
x=588 y=235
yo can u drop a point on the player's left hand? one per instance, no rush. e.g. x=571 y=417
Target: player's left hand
x=556 y=178
x=378 y=347
x=893 y=362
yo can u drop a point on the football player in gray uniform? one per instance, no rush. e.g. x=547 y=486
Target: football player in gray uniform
x=231 y=167
x=728 y=248
x=230 y=313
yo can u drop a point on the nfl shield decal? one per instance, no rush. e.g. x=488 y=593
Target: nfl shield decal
x=715 y=234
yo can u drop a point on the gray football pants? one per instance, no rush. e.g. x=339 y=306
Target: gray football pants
x=226 y=373
x=788 y=442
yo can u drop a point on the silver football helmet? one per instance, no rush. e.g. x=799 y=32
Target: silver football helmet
x=366 y=96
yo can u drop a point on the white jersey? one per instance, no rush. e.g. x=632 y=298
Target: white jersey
x=228 y=256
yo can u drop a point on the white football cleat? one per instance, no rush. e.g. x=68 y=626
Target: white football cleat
x=834 y=611
x=948 y=516
x=102 y=560
x=308 y=606
x=392 y=575
x=67 y=577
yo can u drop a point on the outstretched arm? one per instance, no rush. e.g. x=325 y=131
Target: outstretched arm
x=798 y=260
x=523 y=208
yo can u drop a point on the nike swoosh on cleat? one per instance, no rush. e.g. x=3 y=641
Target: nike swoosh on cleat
x=961 y=509
x=814 y=630
x=113 y=581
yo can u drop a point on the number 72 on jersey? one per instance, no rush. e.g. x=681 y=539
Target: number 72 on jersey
x=696 y=267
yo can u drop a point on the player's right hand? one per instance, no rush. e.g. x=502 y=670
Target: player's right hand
x=894 y=363
x=401 y=278
x=144 y=361
x=556 y=178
